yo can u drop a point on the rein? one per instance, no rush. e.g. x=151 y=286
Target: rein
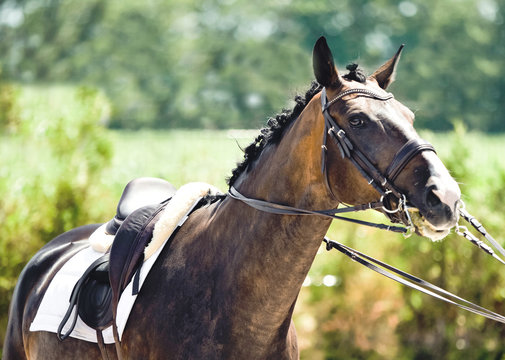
x=423 y=285
x=385 y=186
x=274 y=208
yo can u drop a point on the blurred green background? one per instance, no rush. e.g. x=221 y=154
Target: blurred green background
x=94 y=93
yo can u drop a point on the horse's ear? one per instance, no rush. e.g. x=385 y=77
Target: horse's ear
x=323 y=64
x=385 y=75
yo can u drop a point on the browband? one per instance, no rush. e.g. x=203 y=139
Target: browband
x=362 y=92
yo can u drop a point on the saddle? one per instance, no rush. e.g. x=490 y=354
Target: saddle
x=97 y=292
x=143 y=202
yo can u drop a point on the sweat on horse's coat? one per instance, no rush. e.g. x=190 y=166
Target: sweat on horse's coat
x=55 y=301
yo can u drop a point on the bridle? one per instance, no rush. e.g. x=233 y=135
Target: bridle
x=384 y=184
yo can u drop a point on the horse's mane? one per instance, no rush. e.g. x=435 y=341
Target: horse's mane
x=355 y=73
x=272 y=134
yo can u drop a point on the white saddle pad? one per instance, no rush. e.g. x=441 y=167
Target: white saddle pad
x=56 y=299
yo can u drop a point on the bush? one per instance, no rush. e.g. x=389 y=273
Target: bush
x=55 y=163
x=9 y=116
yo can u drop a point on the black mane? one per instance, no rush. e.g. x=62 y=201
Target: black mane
x=272 y=134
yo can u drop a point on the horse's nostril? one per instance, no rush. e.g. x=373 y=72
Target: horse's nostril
x=432 y=199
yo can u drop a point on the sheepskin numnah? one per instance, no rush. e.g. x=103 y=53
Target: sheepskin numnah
x=173 y=213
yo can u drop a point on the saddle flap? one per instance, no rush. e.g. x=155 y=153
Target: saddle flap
x=95 y=304
x=101 y=273
x=127 y=251
x=92 y=295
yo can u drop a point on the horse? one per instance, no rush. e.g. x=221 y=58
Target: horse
x=227 y=285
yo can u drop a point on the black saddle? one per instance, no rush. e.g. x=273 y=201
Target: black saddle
x=97 y=292
x=138 y=193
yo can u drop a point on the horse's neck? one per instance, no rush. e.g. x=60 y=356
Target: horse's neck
x=278 y=250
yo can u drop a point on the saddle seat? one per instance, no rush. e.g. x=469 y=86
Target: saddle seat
x=140 y=207
x=138 y=193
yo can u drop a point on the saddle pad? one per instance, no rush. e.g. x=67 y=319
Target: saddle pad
x=56 y=299
x=175 y=210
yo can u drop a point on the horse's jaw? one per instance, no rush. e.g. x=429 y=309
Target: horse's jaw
x=424 y=228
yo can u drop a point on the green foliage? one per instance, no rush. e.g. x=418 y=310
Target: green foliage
x=9 y=117
x=231 y=64
x=48 y=175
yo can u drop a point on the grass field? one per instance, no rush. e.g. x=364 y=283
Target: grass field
x=178 y=156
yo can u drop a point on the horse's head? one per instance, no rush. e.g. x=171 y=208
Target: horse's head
x=381 y=130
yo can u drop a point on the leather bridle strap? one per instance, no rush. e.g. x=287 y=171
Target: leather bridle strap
x=372 y=175
x=280 y=209
x=346 y=147
x=412 y=281
x=405 y=154
x=360 y=161
x=382 y=183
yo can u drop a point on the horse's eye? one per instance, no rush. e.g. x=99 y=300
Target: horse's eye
x=356 y=122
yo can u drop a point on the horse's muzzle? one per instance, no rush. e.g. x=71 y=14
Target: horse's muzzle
x=440 y=203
